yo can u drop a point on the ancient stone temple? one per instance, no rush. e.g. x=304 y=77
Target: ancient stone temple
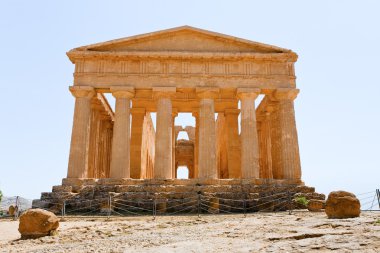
x=238 y=147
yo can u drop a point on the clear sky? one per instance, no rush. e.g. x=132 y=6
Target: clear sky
x=337 y=111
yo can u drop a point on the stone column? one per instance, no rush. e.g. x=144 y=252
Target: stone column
x=266 y=148
x=164 y=133
x=207 y=136
x=120 y=162
x=289 y=157
x=233 y=143
x=249 y=143
x=104 y=152
x=196 y=142
x=138 y=115
x=174 y=140
x=78 y=158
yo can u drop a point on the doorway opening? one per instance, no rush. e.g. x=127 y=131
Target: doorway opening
x=182 y=172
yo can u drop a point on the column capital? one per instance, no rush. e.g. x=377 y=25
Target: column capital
x=137 y=110
x=242 y=93
x=285 y=94
x=207 y=92
x=82 y=91
x=231 y=111
x=123 y=92
x=174 y=112
x=164 y=92
x=195 y=112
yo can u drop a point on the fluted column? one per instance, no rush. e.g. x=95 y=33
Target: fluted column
x=266 y=148
x=78 y=158
x=164 y=133
x=233 y=143
x=250 y=167
x=195 y=114
x=289 y=158
x=174 y=115
x=207 y=136
x=120 y=162
x=138 y=115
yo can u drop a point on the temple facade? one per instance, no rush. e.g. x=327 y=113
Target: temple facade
x=243 y=148
x=184 y=70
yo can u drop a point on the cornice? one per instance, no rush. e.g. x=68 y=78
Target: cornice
x=75 y=55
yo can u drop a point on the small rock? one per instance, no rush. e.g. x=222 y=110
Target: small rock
x=11 y=210
x=341 y=205
x=35 y=223
x=315 y=205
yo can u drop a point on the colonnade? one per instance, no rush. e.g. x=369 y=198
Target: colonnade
x=269 y=149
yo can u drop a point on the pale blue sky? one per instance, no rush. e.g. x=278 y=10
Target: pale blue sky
x=337 y=110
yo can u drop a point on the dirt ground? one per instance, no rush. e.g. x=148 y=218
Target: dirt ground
x=301 y=231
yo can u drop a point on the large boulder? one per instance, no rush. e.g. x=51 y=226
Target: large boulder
x=341 y=205
x=36 y=223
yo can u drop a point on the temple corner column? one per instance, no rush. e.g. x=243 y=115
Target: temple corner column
x=289 y=149
x=78 y=157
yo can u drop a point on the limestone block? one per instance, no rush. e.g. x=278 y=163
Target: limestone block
x=78 y=181
x=316 y=205
x=62 y=188
x=208 y=181
x=128 y=188
x=341 y=205
x=229 y=181
x=161 y=206
x=113 y=181
x=104 y=207
x=105 y=188
x=35 y=223
x=87 y=192
x=213 y=205
x=184 y=181
x=305 y=189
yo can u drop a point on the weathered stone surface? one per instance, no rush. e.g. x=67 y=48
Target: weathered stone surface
x=275 y=232
x=62 y=188
x=213 y=205
x=315 y=205
x=342 y=204
x=35 y=223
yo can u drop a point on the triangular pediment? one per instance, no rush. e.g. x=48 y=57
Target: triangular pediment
x=183 y=39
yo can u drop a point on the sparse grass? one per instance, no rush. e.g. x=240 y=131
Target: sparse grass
x=377 y=223
x=302 y=200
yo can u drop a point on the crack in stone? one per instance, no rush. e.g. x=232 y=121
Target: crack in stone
x=305 y=236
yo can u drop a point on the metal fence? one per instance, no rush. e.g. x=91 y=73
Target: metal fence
x=157 y=205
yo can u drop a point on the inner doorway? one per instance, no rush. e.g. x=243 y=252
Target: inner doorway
x=182 y=172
